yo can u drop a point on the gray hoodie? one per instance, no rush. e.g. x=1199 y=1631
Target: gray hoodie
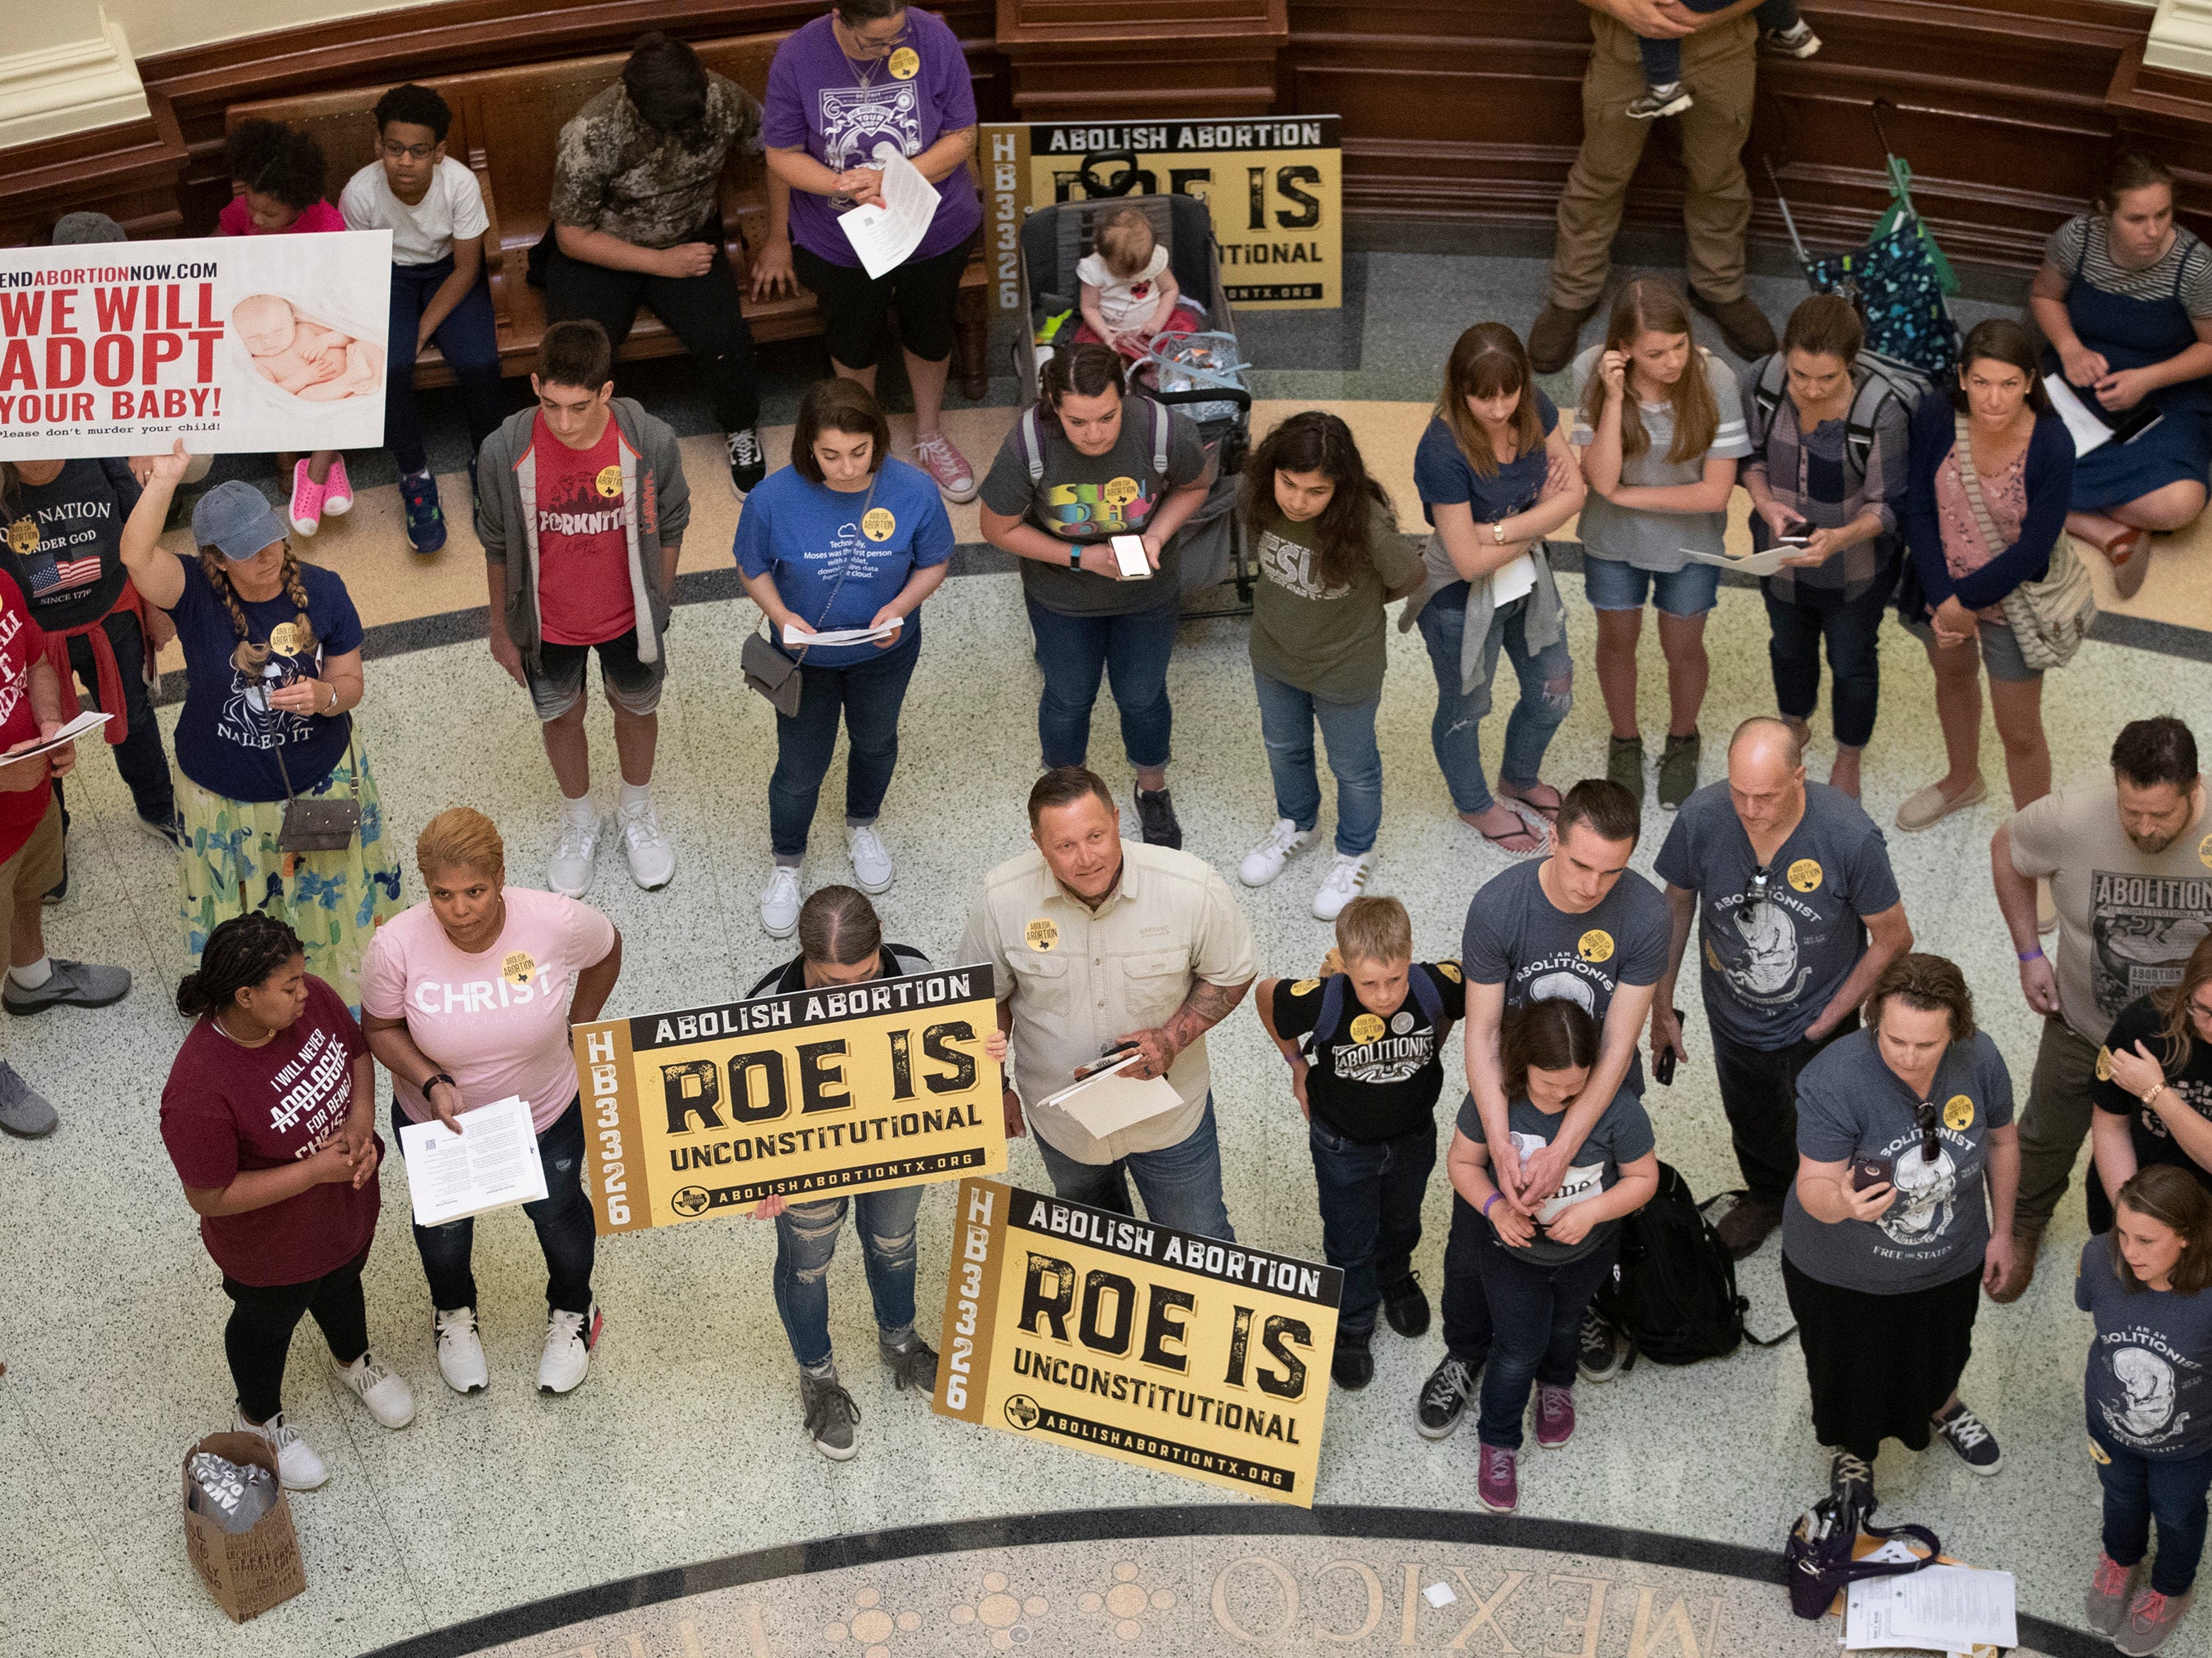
x=656 y=506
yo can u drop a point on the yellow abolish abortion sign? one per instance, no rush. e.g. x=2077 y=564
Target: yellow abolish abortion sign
x=1089 y=1328
x=813 y=1095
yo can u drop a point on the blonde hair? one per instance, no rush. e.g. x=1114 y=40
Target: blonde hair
x=460 y=837
x=251 y=656
x=1125 y=241
x=1648 y=305
x=1372 y=930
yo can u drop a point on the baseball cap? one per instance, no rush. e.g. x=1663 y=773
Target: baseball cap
x=76 y=228
x=236 y=519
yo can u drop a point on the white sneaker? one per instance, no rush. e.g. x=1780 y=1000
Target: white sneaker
x=297 y=1467
x=651 y=853
x=1342 y=884
x=1265 y=861
x=568 y=871
x=461 y=1353
x=872 y=864
x=389 y=1399
x=780 y=902
x=569 y=1339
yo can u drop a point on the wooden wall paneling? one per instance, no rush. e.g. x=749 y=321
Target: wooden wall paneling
x=129 y=172
x=1139 y=59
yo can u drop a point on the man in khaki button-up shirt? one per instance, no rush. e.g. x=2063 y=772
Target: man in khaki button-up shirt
x=1094 y=941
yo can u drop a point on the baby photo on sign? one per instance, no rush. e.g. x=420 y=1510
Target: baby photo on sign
x=304 y=361
x=303 y=355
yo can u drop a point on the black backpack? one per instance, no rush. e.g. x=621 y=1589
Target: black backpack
x=1673 y=1291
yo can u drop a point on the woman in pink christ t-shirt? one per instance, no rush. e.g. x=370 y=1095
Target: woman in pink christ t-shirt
x=467 y=998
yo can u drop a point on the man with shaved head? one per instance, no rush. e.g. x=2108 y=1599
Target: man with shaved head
x=1797 y=913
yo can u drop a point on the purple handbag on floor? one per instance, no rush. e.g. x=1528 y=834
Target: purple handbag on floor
x=1818 y=1556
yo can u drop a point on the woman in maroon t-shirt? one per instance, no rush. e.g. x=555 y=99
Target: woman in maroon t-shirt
x=270 y=1118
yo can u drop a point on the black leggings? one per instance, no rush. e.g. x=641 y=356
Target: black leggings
x=262 y=1317
x=852 y=304
x=702 y=312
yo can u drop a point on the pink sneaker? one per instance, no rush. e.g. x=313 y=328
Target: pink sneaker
x=947 y=467
x=307 y=513
x=1498 y=1481
x=1555 y=1415
x=338 y=490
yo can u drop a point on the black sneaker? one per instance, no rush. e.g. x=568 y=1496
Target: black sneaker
x=1155 y=812
x=1851 y=1479
x=1405 y=1307
x=1354 y=1366
x=1976 y=1445
x=830 y=1415
x=1443 y=1398
x=748 y=462
x=1603 y=1351
x=913 y=1362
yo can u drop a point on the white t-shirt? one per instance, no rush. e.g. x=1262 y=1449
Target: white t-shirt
x=451 y=210
x=1124 y=302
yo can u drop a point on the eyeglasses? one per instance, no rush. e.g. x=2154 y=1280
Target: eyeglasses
x=409 y=152
x=1755 y=894
x=868 y=48
x=1924 y=1118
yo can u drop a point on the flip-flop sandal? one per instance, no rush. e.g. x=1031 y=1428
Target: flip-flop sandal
x=1499 y=841
x=1550 y=814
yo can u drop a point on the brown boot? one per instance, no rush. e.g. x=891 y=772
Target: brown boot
x=2025 y=1243
x=1746 y=1225
x=1742 y=324
x=1552 y=342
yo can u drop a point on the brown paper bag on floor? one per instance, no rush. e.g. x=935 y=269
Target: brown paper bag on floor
x=249 y=1572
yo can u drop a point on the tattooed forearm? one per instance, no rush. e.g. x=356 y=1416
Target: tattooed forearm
x=1207 y=1005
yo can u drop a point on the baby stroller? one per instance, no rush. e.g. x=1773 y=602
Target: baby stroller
x=1211 y=389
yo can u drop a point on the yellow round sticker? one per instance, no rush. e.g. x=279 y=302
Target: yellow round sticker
x=1957 y=1113
x=2204 y=852
x=609 y=482
x=284 y=639
x=23 y=537
x=877 y=523
x=905 y=61
x=1805 y=874
x=1118 y=492
x=1595 y=945
x=2099 y=1455
x=2104 y=1065
x=1305 y=987
x=1449 y=970
x=1712 y=956
x=1042 y=934
x=1366 y=1027
x=517 y=967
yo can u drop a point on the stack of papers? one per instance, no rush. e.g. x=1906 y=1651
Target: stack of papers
x=793 y=638
x=1946 y=1609
x=491 y=1163
x=69 y=733
x=1766 y=563
x=2090 y=429
x=883 y=236
x=1107 y=1102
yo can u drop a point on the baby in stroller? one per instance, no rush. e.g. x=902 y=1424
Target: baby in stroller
x=1129 y=294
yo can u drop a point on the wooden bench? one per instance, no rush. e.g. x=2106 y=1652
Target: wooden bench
x=506 y=125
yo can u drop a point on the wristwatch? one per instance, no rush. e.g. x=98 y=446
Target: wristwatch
x=434 y=1078
x=1497 y=532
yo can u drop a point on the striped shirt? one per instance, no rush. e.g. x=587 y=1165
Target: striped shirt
x=2082 y=244
x=1654 y=540
x=1807 y=473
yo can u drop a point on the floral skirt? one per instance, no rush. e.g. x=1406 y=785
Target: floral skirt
x=334 y=901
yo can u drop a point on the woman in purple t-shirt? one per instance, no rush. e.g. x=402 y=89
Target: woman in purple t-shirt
x=872 y=72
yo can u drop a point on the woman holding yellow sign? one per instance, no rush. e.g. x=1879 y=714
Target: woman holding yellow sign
x=839 y=550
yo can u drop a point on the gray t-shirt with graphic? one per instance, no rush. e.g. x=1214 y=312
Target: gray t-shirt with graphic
x=1774 y=955
x=1850 y=1105
x=1637 y=536
x=1621 y=1134
x=2149 y=1383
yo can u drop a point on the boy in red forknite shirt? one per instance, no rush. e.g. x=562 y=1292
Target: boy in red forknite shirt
x=582 y=507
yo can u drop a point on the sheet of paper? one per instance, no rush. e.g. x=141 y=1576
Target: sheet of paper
x=883 y=236
x=1893 y=1552
x=491 y=1163
x=1111 y=1101
x=69 y=733
x=2086 y=430
x=1943 y=1608
x=1514 y=580
x=794 y=639
x=1766 y=563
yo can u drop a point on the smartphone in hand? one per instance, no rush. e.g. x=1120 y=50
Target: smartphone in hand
x=1129 y=554
x=1867 y=1173
x=1663 y=1068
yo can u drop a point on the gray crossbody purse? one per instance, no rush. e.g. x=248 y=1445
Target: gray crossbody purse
x=314 y=824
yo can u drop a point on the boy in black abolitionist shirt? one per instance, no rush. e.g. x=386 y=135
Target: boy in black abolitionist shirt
x=1367 y=1078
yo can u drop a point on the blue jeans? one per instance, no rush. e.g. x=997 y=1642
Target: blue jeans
x=806 y=1238
x=1370 y=1213
x=870 y=695
x=468 y=339
x=2139 y=1489
x=1075 y=651
x=1662 y=59
x=1547 y=692
x=1850 y=628
x=562 y=1217
x=1287 y=718
x=1181 y=1185
x=1536 y=1315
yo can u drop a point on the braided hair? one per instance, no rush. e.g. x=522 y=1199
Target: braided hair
x=239 y=955
x=249 y=657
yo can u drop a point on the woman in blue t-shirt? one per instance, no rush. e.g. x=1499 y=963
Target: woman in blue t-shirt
x=272 y=667
x=845 y=537
x=2147 y=1390
x=1495 y=475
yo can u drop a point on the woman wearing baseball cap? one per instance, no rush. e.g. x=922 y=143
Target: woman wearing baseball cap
x=272 y=665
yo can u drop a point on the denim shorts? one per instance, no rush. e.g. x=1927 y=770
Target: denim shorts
x=556 y=683
x=2001 y=653
x=1610 y=585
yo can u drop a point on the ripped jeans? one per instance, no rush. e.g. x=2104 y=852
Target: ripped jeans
x=806 y=1238
x=1547 y=692
x=562 y=1218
